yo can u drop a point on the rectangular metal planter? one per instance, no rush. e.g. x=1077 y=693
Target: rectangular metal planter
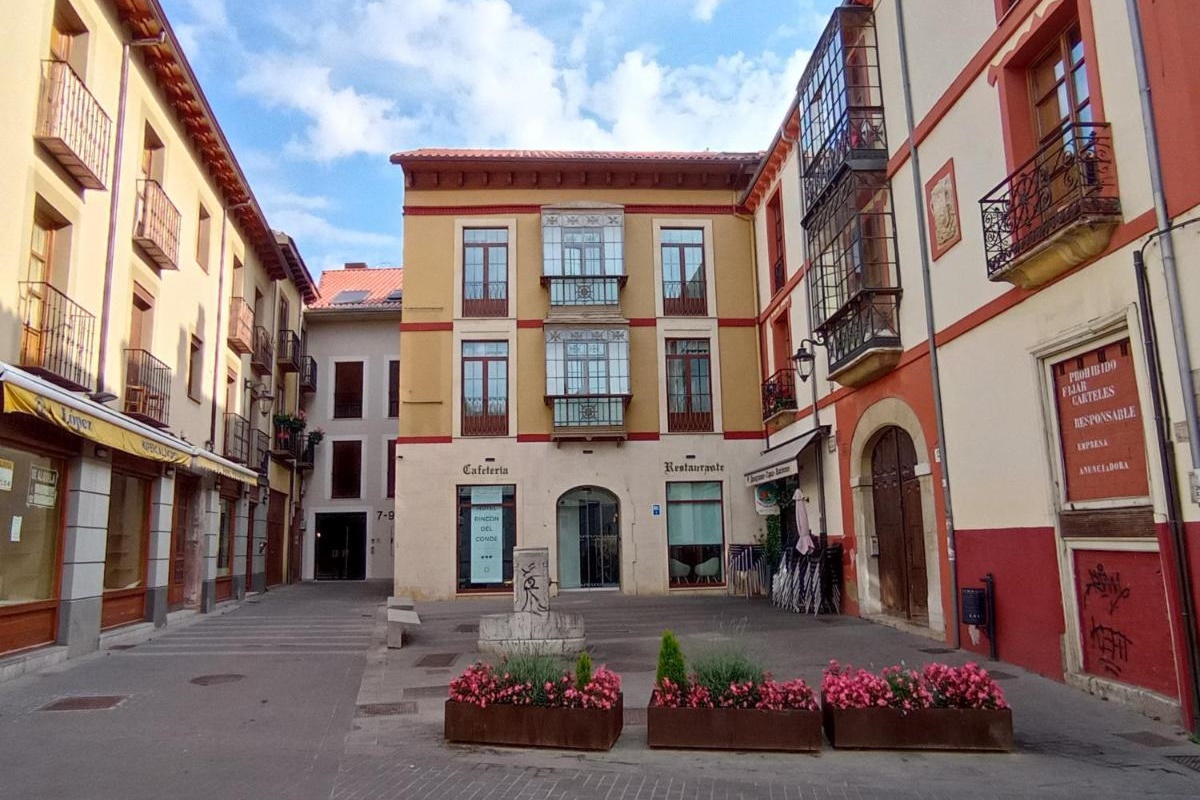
x=533 y=726
x=733 y=729
x=923 y=729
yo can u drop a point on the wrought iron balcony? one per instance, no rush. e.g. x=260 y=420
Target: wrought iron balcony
x=262 y=356
x=241 y=326
x=289 y=355
x=147 y=388
x=287 y=443
x=862 y=338
x=308 y=375
x=72 y=126
x=599 y=416
x=1057 y=210
x=779 y=393
x=237 y=438
x=56 y=336
x=306 y=455
x=485 y=419
x=841 y=102
x=685 y=298
x=577 y=291
x=485 y=299
x=260 y=454
x=156 y=225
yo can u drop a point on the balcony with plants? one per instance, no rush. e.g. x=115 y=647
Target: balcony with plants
x=72 y=126
x=1055 y=211
x=56 y=336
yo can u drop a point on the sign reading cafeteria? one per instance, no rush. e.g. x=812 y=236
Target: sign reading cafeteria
x=1100 y=424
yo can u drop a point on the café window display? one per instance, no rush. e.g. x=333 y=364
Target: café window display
x=128 y=517
x=31 y=489
x=695 y=533
x=487 y=533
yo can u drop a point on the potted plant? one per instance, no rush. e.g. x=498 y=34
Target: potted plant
x=315 y=436
x=728 y=703
x=291 y=422
x=532 y=701
x=939 y=708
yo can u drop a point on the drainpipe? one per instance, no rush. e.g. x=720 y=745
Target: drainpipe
x=212 y=426
x=114 y=199
x=930 y=325
x=1183 y=359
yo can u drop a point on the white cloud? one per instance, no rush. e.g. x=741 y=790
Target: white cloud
x=704 y=9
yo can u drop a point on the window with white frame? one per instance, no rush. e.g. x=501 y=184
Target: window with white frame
x=583 y=256
x=587 y=375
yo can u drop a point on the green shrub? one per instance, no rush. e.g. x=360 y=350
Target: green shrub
x=670 y=661
x=583 y=670
x=717 y=670
x=773 y=544
x=536 y=670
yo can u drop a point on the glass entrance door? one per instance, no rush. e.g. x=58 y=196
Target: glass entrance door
x=589 y=539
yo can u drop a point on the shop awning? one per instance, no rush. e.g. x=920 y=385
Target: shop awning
x=210 y=462
x=779 y=462
x=27 y=394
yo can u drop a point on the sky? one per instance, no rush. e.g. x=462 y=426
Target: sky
x=314 y=95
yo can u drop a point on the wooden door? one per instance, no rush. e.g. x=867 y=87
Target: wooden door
x=276 y=537
x=899 y=525
x=181 y=521
x=250 y=545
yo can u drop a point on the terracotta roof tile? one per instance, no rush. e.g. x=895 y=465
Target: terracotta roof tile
x=452 y=154
x=378 y=283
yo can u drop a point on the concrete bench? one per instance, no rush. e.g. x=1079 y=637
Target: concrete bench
x=401 y=601
x=400 y=620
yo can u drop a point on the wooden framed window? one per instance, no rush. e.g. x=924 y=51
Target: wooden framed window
x=689 y=386
x=348 y=390
x=695 y=533
x=684 y=290
x=345 y=472
x=1059 y=86
x=195 y=367
x=203 y=235
x=485 y=388
x=391 y=468
x=225 y=538
x=393 y=389
x=485 y=272
x=775 y=243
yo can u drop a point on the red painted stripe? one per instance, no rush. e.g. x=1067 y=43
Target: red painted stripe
x=745 y=434
x=643 y=322
x=533 y=437
x=633 y=208
x=637 y=208
x=784 y=293
x=643 y=436
x=736 y=322
x=424 y=439
x=530 y=323
x=426 y=326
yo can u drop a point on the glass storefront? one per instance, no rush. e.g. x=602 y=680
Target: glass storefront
x=487 y=533
x=31 y=498
x=128 y=519
x=225 y=540
x=695 y=533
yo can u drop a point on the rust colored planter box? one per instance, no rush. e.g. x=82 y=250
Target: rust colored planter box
x=532 y=726
x=733 y=729
x=923 y=729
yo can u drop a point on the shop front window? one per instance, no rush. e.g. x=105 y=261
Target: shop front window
x=487 y=533
x=695 y=533
x=128 y=517
x=225 y=540
x=31 y=489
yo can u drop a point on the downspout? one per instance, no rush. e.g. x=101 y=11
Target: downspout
x=930 y=325
x=1183 y=361
x=114 y=200
x=212 y=427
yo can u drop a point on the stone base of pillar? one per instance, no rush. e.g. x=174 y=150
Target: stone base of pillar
x=156 y=605
x=258 y=582
x=239 y=587
x=79 y=625
x=208 y=596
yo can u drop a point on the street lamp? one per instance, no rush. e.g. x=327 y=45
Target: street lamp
x=806 y=359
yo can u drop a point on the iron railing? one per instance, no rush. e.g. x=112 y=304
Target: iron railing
x=260 y=454
x=485 y=419
x=147 y=388
x=584 y=290
x=689 y=421
x=857 y=140
x=56 y=336
x=288 y=442
x=263 y=354
x=588 y=412
x=1070 y=179
x=72 y=125
x=779 y=393
x=308 y=374
x=237 y=438
x=306 y=454
x=485 y=299
x=156 y=225
x=868 y=322
x=685 y=298
x=290 y=351
x=241 y=326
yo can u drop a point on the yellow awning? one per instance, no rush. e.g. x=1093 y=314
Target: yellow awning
x=226 y=469
x=25 y=401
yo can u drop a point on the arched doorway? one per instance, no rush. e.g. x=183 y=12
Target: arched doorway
x=589 y=539
x=899 y=527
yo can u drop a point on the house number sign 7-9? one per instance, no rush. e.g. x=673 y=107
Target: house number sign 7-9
x=385 y=515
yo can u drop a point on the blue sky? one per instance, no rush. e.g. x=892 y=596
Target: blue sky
x=315 y=94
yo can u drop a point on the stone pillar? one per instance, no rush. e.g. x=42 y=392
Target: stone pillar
x=531 y=580
x=258 y=565
x=241 y=511
x=158 y=551
x=84 y=543
x=210 y=525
